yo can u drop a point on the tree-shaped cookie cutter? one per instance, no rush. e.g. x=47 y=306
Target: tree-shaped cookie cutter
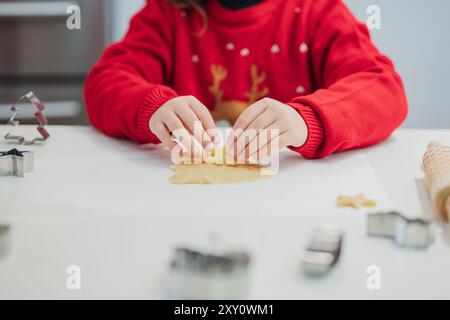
x=40 y=118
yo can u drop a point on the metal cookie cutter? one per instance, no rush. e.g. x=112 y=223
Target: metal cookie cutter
x=40 y=118
x=406 y=232
x=5 y=239
x=198 y=275
x=324 y=251
x=16 y=163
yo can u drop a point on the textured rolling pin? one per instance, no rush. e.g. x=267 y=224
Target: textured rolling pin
x=436 y=164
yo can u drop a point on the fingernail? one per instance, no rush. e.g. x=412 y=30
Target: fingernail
x=215 y=139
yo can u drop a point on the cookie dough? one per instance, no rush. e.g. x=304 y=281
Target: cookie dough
x=216 y=170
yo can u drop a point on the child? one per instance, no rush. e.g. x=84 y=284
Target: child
x=305 y=67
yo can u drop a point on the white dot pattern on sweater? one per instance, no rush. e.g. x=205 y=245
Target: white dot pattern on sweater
x=303 y=48
x=229 y=46
x=300 y=90
x=275 y=48
x=245 y=52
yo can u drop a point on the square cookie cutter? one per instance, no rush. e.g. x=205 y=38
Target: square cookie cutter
x=323 y=251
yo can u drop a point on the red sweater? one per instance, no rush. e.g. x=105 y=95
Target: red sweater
x=310 y=54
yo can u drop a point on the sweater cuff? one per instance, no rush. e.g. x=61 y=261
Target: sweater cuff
x=151 y=103
x=316 y=132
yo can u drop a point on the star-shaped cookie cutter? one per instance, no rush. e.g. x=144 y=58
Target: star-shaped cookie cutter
x=40 y=118
x=16 y=163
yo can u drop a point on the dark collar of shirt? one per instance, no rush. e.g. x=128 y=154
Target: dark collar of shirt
x=238 y=4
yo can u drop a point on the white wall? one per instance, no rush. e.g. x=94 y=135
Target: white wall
x=414 y=33
x=122 y=11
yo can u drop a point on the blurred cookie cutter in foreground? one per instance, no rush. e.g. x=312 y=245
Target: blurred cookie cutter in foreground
x=39 y=116
x=16 y=163
x=406 y=232
x=5 y=240
x=324 y=251
x=200 y=275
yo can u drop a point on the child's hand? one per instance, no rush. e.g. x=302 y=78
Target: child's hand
x=268 y=114
x=181 y=113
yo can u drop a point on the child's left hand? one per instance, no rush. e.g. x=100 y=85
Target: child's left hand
x=268 y=114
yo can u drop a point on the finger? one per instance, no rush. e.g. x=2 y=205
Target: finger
x=268 y=142
x=205 y=118
x=263 y=121
x=249 y=115
x=246 y=118
x=269 y=149
x=250 y=141
x=274 y=146
x=246 y=140
x=179 y=132
x=194 y=125
x=176 y=151
x=163 y=134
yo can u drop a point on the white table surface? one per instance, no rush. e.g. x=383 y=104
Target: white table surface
x=106 y=205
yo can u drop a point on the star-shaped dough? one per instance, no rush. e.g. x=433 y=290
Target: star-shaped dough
x=355 y=202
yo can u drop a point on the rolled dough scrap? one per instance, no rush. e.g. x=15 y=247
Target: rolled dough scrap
x=216 y=170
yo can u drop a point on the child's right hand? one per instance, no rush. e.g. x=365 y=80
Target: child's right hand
x=182 y=113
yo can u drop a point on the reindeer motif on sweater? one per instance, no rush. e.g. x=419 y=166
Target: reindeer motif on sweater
x=231 y=109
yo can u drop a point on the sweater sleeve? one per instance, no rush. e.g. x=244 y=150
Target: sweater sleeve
x=127 y=85
x=361 y=99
